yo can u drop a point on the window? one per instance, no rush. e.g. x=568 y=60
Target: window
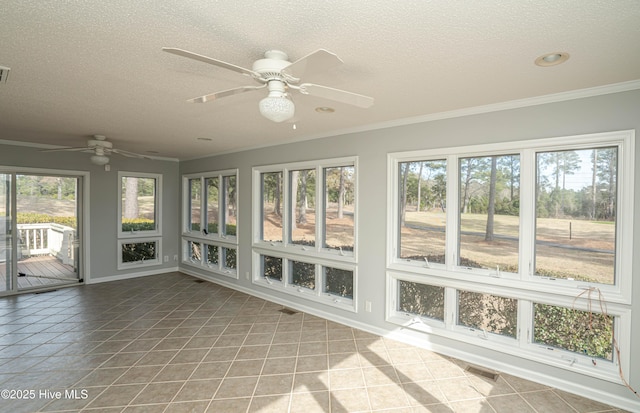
x=576 y=207
x=506 y=245
x=489 y=205
x=305 y=227
x=138 y=252
x=422 y=205
x=210 y=221
x=421 y=299
x=139 y=212
x=488 y=313
x=139 y=207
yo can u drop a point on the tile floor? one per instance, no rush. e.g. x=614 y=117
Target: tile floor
x=170 y=343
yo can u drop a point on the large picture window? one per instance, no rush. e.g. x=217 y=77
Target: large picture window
x=305 y=229
x=210 y=221
x=517 y=246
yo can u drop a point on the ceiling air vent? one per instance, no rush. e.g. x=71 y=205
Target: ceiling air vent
x=4 y=74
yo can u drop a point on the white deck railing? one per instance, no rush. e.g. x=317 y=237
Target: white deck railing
x=47 y=239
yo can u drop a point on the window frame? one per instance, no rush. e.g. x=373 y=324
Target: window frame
x=138 y=264
x=619 y=292
x=217 y=239
x=523 y=286
x=287 y=250
x=157 y=205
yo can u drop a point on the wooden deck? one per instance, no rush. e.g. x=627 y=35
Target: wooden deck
x=40 y=271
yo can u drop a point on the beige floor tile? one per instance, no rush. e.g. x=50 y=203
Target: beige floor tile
x=311 y=382
x=229 y=405
x=546 y=401
x=509 y=403
x=279 y=365
x=351 y=400
x=232 y=387
x=198 y=390
x=381 y=375
x=158 y=392
x=311 y=363
x=423 y=393
x=315 y=402
x=212 y=370
x=269 y=404
x=458 y=389
x=183 y=407
x=117 y=395
x=346 y=379
x=175 y=372
x=387 y=397
x=275 y=384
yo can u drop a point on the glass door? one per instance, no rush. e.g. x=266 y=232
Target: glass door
x=6 y=279
x=47 y=230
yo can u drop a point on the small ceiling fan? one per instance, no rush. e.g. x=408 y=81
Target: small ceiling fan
x=280 y=76
x=101 y=148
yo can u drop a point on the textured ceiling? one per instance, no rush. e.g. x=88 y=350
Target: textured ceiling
x=88 y=67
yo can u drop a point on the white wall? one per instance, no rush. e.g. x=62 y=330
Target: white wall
x=620 y=111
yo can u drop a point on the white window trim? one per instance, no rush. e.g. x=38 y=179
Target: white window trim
x=203 y=264
x=139 y=264
x=218 y=237
x=157 y=200
x=523 y=286
x=620 y=292
x=318 y=294
x=306 y=251
x=521 y=346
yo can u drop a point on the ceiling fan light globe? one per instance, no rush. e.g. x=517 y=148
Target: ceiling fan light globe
x=100 y=159
x=277 y=109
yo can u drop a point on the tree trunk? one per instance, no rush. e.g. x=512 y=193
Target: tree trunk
x=294 y=197
x=594 y=182
x=341 y=195
x=131 y=198
x=278 y=195
x=492 y=200
x=419 y=184
x=403 y=195
x=302 y=213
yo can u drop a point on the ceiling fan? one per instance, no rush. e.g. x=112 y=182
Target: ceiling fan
x=101 y=148
x=280 y=76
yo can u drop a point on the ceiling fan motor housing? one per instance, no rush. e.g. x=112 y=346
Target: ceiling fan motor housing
x=271 y=66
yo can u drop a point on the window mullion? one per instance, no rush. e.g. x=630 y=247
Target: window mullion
x=452 y=217
x=286 y=206
x=527 y=212
x=320 y=212
x=204 y=214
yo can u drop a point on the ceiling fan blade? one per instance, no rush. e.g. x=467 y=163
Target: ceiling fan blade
x=129 y=154
x=211 y=61
x=225 y=93
x=319 y=61
x=68 y=150
x=338 y=95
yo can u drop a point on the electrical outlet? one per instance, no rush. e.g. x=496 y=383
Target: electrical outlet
x=166 y=258
x=367 y=306
x=175 y=257
x=247 y=275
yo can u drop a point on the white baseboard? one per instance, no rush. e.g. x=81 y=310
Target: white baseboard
x=97 y=280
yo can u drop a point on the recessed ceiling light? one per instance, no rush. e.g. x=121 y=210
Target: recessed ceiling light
x=552 y=59
x=204 y=139
x=325 y=109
